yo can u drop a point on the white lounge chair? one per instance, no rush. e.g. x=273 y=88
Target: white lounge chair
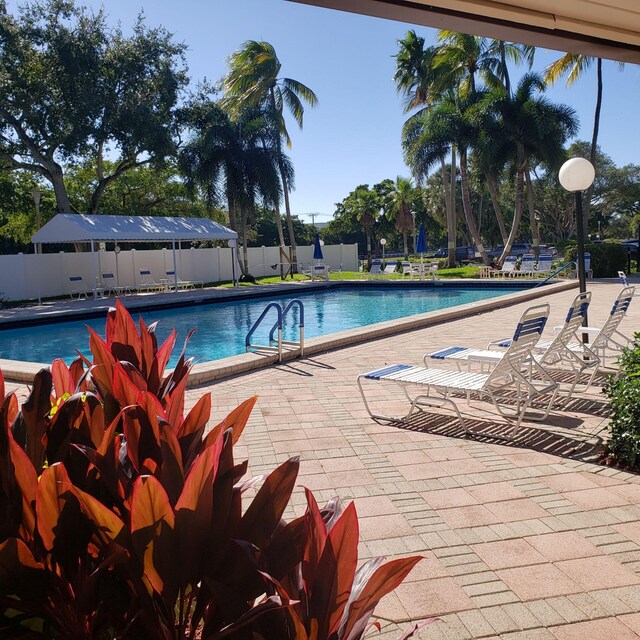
x=508 y=268
x=182 y=284
x=376 y=267
x=556 y=354
x=508 y=386
x=625 y=282
x=110 y=286
x=77 y=288
x=527 y=266
x=608 y=338
x=544 y=264
x=390 y=267
x=320 y=272
x=147 y=283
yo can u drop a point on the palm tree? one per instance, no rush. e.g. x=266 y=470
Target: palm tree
x=234 y=158
x=422 y=82
x=399 y=201
x=574 y=65
x=367 y=207
x=450 y=122
x=533 y=127
x=253 y=80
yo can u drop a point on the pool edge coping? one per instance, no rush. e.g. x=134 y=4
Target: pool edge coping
x=213 y=370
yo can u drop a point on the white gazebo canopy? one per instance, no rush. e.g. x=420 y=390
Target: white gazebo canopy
x=75 y=227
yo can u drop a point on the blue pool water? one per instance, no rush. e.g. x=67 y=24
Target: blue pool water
x=221 y=327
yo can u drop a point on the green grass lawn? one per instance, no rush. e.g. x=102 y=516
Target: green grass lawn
x=458 y=272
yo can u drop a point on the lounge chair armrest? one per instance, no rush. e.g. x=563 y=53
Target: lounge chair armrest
x=581 y=329
x=484 y=358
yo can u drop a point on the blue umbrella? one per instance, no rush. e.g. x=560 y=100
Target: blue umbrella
x=421 y=245
x=317 y=249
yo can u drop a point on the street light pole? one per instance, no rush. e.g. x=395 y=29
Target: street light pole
x=577 y=175
x=383 y=241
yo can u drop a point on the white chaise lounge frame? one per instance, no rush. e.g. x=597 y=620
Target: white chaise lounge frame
x=510 y=383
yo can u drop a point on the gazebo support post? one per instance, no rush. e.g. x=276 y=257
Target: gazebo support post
x=175 y=266
x=93 y=270
x=35 y=251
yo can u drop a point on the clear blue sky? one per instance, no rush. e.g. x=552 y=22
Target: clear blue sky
x=353 y=136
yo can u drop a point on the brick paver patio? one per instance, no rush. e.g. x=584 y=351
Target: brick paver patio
x=526 y=541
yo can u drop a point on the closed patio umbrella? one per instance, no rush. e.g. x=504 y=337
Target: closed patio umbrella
x=421 y=245
x=317 y=248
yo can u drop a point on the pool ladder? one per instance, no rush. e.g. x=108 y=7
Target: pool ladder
x=281 y=313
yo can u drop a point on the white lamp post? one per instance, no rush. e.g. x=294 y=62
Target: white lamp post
x=577 y=175
x=117 y=250
x=383 y=241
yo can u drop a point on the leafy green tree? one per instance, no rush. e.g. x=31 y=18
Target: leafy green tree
x=450 y=122
x=71 y=86
x=254 y=80
x=398 y=204
x=232 y=157
x=533 y=127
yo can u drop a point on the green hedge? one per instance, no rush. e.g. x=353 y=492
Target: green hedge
x=624 y=392
x=606 y=258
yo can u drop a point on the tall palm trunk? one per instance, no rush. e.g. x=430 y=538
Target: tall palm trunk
x=466 y=206
x=405 y=244
x=517 y=216
x=533 y=223
x=279 y=225
x=368 y=234
x=492 y=186
x=244 y=265
x=594 y=143
x=505 y=68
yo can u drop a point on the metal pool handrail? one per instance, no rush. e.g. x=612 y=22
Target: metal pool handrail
x=277 y=325
x=556 y=272
x=256 y=324
x=300 y=326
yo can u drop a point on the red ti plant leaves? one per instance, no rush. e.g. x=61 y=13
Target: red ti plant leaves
x=194 y=513
x=122 y=336
x=31 y=423
x=153 y=536
x=265 y=511
x=329 y=593
x=63 y=381
x=371 y=584
x=236 y=421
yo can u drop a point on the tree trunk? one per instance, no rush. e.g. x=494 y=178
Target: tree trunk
x=466 y=206
x=292 y=237
x=245 y=252
x=279 y=225
x=63 y=204
x=405 y=244
x=451 y=214
x=533 y=223
x=492 y=185
x=594 y=145
x=368 y=234
x=517 y=216
x=505 y=68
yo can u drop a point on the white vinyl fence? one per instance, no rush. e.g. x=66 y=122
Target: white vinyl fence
x=29 y=276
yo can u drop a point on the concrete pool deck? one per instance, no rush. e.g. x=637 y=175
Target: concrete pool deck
x=216 y=369
x=531 y=541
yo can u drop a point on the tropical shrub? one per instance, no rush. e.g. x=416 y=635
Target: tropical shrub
x=606 y=258
x=624 y=392
x=121 y=516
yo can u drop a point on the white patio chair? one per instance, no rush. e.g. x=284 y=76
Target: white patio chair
x=556 y=354
x=508 y=386
x=409 y=270
x=320 y=272
x=77 y=288
x=110 y=286
x=147 y=283
x=182 y=284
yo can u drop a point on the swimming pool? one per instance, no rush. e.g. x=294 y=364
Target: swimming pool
x=221 y=327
